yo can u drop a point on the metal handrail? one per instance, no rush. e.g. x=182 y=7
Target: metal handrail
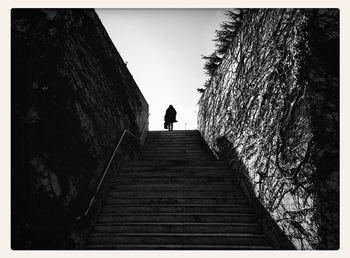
x=109 y=163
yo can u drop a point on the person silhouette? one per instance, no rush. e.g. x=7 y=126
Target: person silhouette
x=170 y=117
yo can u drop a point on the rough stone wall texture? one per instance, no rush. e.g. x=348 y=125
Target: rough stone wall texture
x=273 y=103
x=72 y=97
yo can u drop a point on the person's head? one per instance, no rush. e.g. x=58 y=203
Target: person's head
x=171 y=106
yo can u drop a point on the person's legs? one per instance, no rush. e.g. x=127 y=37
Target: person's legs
x=171 y=126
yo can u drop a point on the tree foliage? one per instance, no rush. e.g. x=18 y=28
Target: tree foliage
x=223 y=40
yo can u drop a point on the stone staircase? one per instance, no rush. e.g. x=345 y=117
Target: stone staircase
x=176 y=196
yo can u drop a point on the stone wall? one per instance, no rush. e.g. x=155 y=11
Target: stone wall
x=72 y=97
x=273 y=107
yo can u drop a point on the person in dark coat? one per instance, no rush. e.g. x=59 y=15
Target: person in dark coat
x=170 y=117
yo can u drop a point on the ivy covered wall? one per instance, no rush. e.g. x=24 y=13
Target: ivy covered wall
x=272 y=103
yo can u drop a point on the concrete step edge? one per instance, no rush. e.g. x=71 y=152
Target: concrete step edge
x=176 y=205
x=216 y=214
x=245 y=235
x=148 y=189
x=181 y=197
x=176 y=247
x=177 y=224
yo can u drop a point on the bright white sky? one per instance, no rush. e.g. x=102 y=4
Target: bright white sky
x=163 y=49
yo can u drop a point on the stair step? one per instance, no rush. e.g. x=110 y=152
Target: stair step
x=174 y=138
x=172 y=157
x=193 y=150
x=173 y=151
x=173 y=134
x=169 y=135
x=172 y=163
x=185 y=138
x=176 y=193
x=178 y=228
x=175 y=247
x=185 y=181
x=166 y=132
x=174 y=148
x=176 y=217
x=169 y=154
x=218 y=176
x=176 y=187
x=175 y=168
x=176 y=180
x=220 y=186
x=178 y=238
x=176 y=208
x=176 y=200
x=164 y=174
x=175 y=143
x=177 y=158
